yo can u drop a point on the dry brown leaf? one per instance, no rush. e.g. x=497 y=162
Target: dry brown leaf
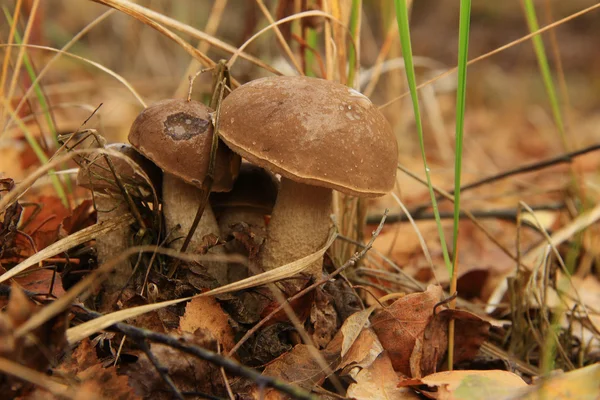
x=352 y=328
x=206 y=313
x=402 y=323
x=299 y=367
x=365 y=349
x=467 y=385
x=580 y=384
x=41 y=281
x=189 y=373
x=379 y=381
x=36 y=351
x=96 y=381
x=470 y=333
x=323 y=317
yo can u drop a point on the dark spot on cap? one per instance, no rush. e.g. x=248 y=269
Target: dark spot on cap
x=182 y=126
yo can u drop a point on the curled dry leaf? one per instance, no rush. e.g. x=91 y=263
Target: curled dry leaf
x=364 y=351
x=379 y=381
x=400 y=325
x=206 y=313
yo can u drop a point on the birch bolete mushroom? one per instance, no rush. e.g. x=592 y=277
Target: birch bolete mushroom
x=242 y=211
x=177 y=136
x=318 y=135
x=95 y=174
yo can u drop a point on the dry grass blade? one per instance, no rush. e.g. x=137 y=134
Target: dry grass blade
x=20 y=56
x=193 y=32
x=11 y=37
x=35 y=377
x=67 y=243
x=88 y=328
x=280 y=38
x=301 y=15
x=536 y=255
x=93 y=63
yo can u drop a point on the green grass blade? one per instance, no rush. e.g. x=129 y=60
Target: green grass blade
x=463 y=54
x=354 y=17
x=404 y=31
x=540 y=53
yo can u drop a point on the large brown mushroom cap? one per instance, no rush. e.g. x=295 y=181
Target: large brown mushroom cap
x=312 y=131
x=177 y=135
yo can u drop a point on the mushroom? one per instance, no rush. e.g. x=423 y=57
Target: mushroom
x=96 y=175
x=318 y=135
x=243 y=211
x=251 y=199
x=177 y=136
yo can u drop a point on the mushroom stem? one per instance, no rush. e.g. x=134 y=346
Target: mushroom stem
x=299 y=226
x=114 y=242
x=180 y=202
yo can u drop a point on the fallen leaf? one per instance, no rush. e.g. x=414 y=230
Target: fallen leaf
x=189 y=373
x=353 y=326
x=206 y=313
x=379 y=382
x=323 y=318
x=469 y=385
x=41 y=281
x=364 y=351
x=580 y=384
x=470 y=332
x=299 y=367
x=399 y=325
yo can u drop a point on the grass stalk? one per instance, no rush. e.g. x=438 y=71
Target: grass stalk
x=404 y=32
x=461 y=95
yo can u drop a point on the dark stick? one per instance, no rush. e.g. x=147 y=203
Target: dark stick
x=561 y=159
x=508 y=214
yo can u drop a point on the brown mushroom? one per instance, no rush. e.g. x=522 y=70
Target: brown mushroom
x=241 y=213
x=318 y=135
x=177 y=136
x=95 y=174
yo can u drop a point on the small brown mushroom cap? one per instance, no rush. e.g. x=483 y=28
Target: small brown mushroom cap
x=97 y=175
x=255 y=188
x=312 y=131
x=177 y=135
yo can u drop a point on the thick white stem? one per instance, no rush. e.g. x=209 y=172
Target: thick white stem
x=180 y=203
x=299 y=226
